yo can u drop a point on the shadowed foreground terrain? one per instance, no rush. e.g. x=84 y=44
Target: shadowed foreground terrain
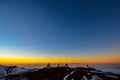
x=63 y=73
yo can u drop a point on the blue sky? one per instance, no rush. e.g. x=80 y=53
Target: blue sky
x=60 y=27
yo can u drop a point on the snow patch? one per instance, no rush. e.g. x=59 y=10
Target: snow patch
x=65 y=78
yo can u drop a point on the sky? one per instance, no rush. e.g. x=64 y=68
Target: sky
x=78 y=31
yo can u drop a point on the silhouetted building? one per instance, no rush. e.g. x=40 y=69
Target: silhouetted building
x=58 y=65
x=66 y=65
x=86 y=66
x=48 y=66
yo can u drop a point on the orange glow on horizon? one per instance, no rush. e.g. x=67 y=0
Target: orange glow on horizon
x=90 y=60
x=93 y=59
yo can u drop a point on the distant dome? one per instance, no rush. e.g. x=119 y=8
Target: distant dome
x=86 y=66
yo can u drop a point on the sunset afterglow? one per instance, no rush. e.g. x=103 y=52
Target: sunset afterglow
x=97 y=59
x=63 y=31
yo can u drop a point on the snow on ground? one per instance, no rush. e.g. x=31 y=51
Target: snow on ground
x=3 y=71
x=65 y=78
x=17 y=70
x=112 y=76
x=93 y=78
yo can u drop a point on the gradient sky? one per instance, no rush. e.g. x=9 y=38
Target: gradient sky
x=74 y=29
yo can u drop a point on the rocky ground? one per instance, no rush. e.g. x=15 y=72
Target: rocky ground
x=63 y=73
